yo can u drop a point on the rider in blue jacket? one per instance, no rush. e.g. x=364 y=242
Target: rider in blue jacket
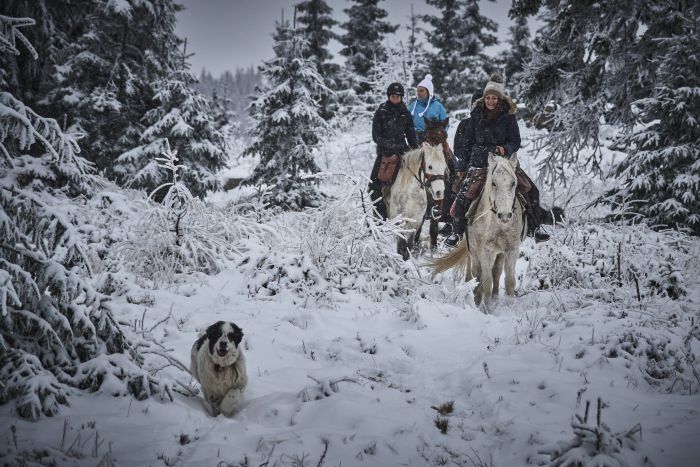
x=426 y=105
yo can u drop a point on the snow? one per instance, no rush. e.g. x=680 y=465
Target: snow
x=344 y=373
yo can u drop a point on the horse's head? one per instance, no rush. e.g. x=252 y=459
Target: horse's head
x=502 y=183
x=435 y=133
x=434 y=170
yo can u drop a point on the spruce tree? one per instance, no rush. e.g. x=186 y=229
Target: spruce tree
x=588 y=61
x=518 y=52
x=363 y=40
x=661 y=174
x=459 y=35
x=287 y=123
x=416 y=55
x=184 y=117
x=316 y=22
x=57 y=333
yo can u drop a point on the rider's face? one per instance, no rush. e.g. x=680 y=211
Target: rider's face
x=394 y=98
x=422 y=93
x=490 y=100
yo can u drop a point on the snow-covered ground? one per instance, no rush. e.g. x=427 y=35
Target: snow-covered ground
x=388 y=369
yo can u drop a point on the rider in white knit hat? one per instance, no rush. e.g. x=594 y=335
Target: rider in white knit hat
x=426 y=105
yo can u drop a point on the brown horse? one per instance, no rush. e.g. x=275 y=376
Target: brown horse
x=436 y=135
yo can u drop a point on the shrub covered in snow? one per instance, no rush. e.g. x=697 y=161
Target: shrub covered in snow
x=596 y=445
x=183 y=234
x=596 y=256
x=336 y=248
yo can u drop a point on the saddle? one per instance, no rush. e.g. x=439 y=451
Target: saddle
x=388 y=169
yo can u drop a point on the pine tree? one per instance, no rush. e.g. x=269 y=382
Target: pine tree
x=316 y=22
x=363 y=41
x=98 y=73
x=662 y=171
x=459 y=64
x=416 y=55
x=56 y=332
x=518 y=52
x=184 y=118
x=588 y=61
x=287 y=123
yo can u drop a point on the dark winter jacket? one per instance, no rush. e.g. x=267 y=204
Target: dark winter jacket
x=392 y=129
x=483 y=134
x=459 y=135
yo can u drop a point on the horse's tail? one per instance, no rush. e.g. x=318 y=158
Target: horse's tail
x=458 y=257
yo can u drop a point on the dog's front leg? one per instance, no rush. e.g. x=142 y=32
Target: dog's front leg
x=230 y=401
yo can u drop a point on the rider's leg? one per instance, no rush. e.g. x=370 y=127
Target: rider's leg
x=459 y=224
x=533 y=212
x=375 y=190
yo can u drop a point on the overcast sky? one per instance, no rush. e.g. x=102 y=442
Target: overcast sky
x=226 y=34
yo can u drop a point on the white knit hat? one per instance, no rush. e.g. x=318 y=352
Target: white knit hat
x=495 y=85
x=427 y=83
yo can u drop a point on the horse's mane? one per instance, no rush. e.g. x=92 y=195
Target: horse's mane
x=412 y=161
x=412 y=158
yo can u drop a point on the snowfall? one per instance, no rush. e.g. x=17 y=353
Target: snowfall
x=356 y=358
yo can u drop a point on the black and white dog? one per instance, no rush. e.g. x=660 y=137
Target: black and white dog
x=219 y=366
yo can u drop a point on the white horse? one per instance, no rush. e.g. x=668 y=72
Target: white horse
x=421 y=170
x=493 y=238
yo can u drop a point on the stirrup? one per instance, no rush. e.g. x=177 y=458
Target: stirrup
x=452 y=240
x=446 y=229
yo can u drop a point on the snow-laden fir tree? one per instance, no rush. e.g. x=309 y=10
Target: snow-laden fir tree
x=416 y=59
x=518 y=52
x=57 y=334
x=363 y=41
x=287 y=123
x=662 y=171
x=459 y=65
x=184 y=117
x=588 y=61
x=316 y=20
x=100 y=58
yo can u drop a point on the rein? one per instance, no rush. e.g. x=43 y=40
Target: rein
x=423 y=178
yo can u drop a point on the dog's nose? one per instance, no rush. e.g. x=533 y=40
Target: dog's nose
x=438 y=194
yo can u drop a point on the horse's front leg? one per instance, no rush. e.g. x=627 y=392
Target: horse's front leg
x=433 y=234
x=486 y=260
x=496 y=272
x=510 y=260
x=402 y=248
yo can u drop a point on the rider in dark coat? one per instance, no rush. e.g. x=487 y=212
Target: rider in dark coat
x=458 y=149
x=492 y=128
x=393 y=132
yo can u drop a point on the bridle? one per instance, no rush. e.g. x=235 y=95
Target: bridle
x=493 y=202
x=425 y=179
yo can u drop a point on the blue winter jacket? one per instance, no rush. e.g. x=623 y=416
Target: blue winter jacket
x=435 y=111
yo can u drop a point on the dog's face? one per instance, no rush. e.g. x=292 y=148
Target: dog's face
x=223 y=339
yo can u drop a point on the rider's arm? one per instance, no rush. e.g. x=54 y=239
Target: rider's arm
x=410 y=133
x=513 y=137
x=442 y=115
x=377 y=128
x=466 y=147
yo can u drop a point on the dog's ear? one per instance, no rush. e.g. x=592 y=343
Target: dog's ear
x=237 y=334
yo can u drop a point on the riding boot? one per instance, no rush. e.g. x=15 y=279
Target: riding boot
x=459 y=225
x=533 y=211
